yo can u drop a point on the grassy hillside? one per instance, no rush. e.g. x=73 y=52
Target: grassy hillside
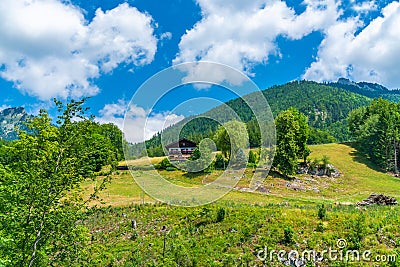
x=359 y=179
x=284 y=219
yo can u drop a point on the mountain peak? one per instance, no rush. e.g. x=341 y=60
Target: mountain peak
x=10 y=120
x=346 y=81
x=13 y=111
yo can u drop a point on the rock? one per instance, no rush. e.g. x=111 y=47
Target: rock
x=315 y=189
x=379 y=199
x=262 y=189
x=332 y=171
x=310 y=179
x=295 y=186
x=329 y=171
x=302 y=170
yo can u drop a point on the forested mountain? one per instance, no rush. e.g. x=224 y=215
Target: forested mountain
x=326 y=108
x=372 y=90
x=10 y=119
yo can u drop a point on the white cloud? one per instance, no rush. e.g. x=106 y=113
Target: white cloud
x=140 y=124
x=243 y=33
x=371 y=55
x=365 y=6
x=48 y=49
x=166 y=35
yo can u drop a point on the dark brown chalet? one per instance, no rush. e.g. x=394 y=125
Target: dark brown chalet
x=180 y=150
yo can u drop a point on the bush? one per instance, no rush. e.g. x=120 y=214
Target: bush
x=325 y=161
x=321 y=212
x=253 y=158
x=288 y=235
x=135 y=235
x=220 y=162
x=170 y=168
x=320 y=227
x=251 y=165
x=220 y=215
x=163 y=165
x=200 y=161
x=208 y=169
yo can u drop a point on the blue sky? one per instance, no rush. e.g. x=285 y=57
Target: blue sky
x=107 y=49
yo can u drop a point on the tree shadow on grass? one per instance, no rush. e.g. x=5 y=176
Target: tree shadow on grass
x=362 y=158
x=192 y=175
x=276 y=174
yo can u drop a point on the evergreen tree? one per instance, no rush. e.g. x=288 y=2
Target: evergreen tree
x=376 y=130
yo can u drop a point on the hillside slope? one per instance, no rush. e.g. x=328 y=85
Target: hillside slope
x=251 y=221
x=359 y=179
x=326 y=107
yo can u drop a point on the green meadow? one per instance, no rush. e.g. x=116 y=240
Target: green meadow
x=241 y=226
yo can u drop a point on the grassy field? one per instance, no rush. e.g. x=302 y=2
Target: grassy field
x=199 y=237
x=251 y=222
x=358 y=180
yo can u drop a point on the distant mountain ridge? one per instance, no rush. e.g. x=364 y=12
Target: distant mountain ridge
x=372 y=90
x=10 y=120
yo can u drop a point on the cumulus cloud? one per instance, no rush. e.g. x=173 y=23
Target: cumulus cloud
x=371 y=54
x=365 y=6
x=140 y=124
x=243 y=33
x=48 y=49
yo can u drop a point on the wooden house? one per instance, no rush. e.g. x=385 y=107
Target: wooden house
x=181 y=150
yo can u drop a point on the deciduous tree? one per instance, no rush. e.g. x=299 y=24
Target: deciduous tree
x=39 y=204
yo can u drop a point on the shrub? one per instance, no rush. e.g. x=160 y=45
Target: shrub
x=220 y=162
x=163 y=165
x=325 y=161
x=251 y=165
x=320 y=227
x=253 y=157
x=288 y=235
x=220 y=215
x=135 y=235
x=321 y=212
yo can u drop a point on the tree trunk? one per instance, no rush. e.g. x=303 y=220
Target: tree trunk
x=38 y=237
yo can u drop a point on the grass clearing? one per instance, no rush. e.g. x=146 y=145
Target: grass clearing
x=359 y=179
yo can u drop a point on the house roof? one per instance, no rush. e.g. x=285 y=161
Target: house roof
x=182 y=143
